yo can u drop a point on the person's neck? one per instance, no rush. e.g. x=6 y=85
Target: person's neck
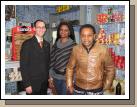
x=64 y=40
x=39 y=37
x=88 y=47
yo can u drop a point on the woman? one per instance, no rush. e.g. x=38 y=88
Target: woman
x=60 y=54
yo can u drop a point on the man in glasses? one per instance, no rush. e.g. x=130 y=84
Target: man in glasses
x=34 y=61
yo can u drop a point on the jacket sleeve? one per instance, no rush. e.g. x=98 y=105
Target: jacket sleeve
x=109 y=70
x=70 y=68
x=24 y=63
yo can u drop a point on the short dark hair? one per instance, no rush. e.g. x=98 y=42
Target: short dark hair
x=39 y=20
x=72 y=35
x=88 y=26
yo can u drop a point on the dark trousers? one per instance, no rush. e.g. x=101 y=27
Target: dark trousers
x=42 y=91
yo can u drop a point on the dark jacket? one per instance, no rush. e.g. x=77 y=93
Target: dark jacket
x=34 y=63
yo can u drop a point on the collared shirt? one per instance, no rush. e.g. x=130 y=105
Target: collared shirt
x=39 y=39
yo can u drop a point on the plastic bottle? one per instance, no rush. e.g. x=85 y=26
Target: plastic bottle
x=118 y=89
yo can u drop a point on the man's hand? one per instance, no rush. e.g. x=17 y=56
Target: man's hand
x=70 y=89
x=29 y=90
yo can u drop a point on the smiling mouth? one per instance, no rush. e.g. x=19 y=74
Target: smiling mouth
x=63 y=34
x=87 y=42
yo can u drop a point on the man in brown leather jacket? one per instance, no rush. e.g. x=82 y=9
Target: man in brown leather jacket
x=93 y=66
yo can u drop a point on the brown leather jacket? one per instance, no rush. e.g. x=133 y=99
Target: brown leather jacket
x=93 y=70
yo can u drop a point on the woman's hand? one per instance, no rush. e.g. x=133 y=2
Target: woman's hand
x=51 y=83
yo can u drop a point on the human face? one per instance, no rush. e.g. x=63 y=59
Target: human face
x=87 y=37
x=40 y=29
x=64 y=31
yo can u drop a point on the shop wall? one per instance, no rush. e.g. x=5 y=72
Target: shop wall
x=30 y=13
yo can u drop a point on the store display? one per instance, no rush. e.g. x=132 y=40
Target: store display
x=118 y=60
x=111 y=39
x=7 y=71
x=101 y=36
x=111 y=14
x=19 y=35
x=12 y=75
x=15 y=75
x=102 y=18
x=8 y=48
x=11 y=86
x=8 y=28
x=112 y=34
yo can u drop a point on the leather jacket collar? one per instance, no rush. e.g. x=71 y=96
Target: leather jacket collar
x=88 y=50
